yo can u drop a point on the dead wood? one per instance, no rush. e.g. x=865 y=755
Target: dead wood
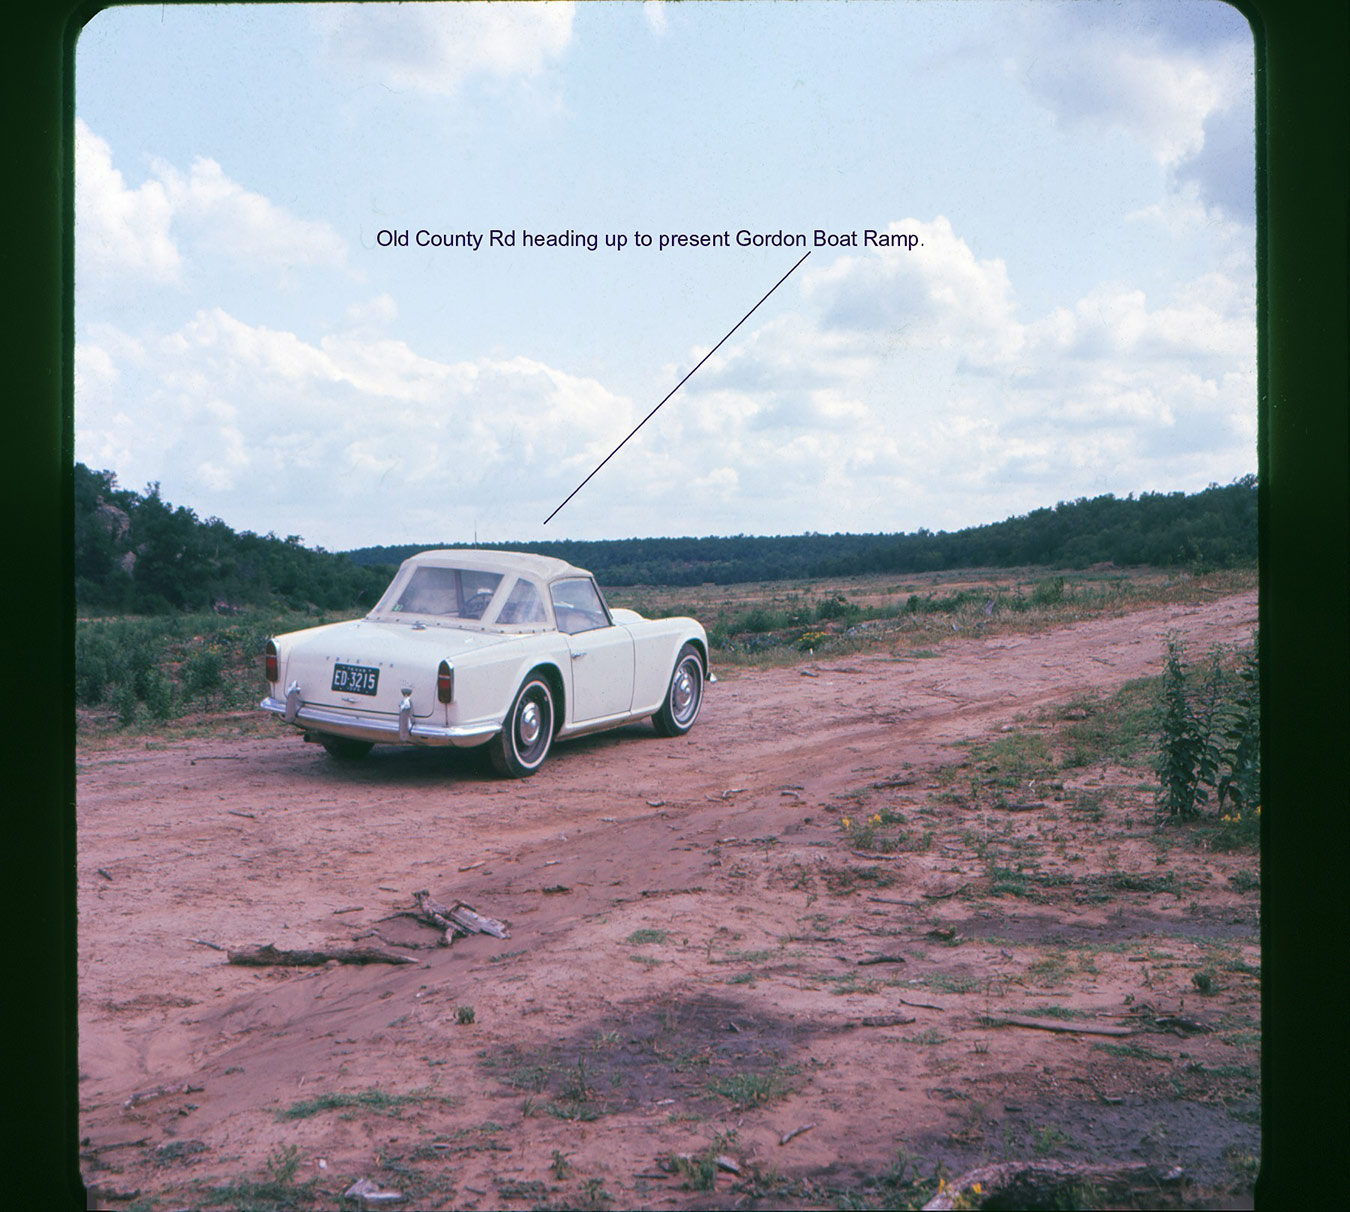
x=269 y=955
x=433 y=914
x=787 y=1136
x=1047 y=1184
x=1051 y=1024
x=882 y=959
x=921 y=1005
x=1178 y=1025
x=146 y=1096
x=458 y=918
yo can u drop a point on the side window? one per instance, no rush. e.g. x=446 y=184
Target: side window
x=523 y=606
x=577 y=605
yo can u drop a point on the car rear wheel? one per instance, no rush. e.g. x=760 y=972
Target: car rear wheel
x=345 y=749
x=684 y=697
x=527 y=732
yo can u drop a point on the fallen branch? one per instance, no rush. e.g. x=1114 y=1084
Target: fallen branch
x=1050 y=1024
x=882 y=959
x=434 y=914
x=1047 y=1184
x=458 y=918
x=787 y=1136
x=921 y=1005
x=146 y=1096
x=269 y=955
x=1178 y=1025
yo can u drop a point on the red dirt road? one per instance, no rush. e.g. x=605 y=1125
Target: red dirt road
x=731 y=1020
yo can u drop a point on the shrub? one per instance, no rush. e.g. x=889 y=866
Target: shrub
x=1209 y=736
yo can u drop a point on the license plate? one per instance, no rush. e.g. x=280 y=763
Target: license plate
x=355 y=679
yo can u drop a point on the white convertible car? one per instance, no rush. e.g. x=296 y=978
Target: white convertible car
x=489 y=648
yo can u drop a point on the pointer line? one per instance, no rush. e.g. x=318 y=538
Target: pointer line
x=677 y=387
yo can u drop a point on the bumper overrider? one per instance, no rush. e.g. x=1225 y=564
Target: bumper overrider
x=404 y=730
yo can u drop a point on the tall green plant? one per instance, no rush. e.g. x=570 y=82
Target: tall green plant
x=1209 y=735
x=1239 y=735
x=1180 y=743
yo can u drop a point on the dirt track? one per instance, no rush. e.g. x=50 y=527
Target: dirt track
x=734 y=1020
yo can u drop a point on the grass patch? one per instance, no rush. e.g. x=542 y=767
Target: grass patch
x=642 y=938
x=746 y=1090
x=379 y=1101
x=844 y=881
x=279 y=1192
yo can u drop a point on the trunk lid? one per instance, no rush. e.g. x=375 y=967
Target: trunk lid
x=384 y=656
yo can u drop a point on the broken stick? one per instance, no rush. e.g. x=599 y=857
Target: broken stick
x=1047 y=1024
x=270 y=955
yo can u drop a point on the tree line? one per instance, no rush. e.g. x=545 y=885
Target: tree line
x=137 y=553
x=1215 y=528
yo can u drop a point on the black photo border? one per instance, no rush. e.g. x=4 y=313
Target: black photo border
x=1303 y=216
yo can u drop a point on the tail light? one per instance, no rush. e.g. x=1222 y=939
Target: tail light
x=271 y=664
x=445 y=682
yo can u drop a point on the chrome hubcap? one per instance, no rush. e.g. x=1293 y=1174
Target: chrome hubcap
x=530 y=723
x=684 y=694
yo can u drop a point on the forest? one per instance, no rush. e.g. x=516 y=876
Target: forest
x=1215 y=528
x=136 y=553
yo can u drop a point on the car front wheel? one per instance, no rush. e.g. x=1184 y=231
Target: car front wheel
x=685 y=696
x=523 y=743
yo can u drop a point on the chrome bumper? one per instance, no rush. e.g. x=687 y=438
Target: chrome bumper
x=403 y=731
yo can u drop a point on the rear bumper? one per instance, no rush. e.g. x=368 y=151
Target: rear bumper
x=402 y=731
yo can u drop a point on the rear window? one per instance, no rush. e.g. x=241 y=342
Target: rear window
x=453 y=593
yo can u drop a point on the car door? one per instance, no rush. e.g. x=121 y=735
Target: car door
x=601 y=653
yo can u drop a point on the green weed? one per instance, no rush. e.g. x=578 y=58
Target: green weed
x=379 y=1101
x=746 y=1090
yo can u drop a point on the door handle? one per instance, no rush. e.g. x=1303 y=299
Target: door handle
x=576 y=656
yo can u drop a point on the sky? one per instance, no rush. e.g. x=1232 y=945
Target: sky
x=1058 y=300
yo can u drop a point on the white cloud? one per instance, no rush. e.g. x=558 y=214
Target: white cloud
x=436 y=48
x=156 y=233
x=229 y=415
x=939 y=295
x=909 y=387
x=1176 y=79
x=119 y=230
x=225 y=218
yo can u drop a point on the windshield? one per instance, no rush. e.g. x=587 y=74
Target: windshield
x=452 y=593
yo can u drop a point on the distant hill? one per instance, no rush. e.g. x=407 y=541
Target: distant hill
x=136 y=552
x=1215 y=528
